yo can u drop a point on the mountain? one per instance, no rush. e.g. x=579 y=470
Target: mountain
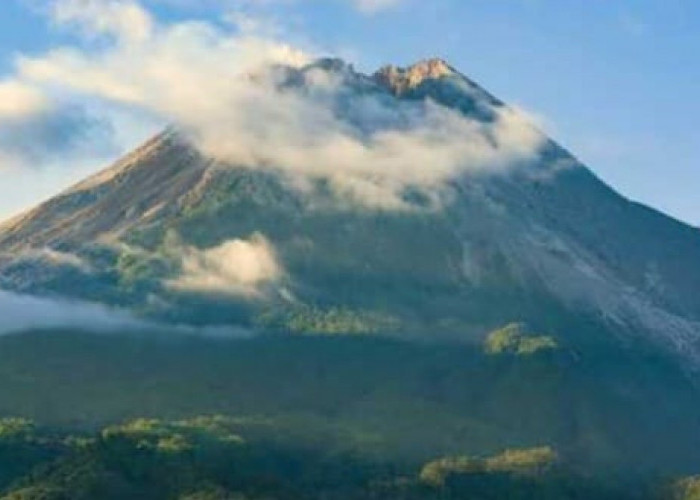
x=546 y=243
x=422 y=276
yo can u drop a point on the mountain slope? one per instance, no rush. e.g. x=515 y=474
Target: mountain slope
x=543 y=241
x=381 y=234
x=602 y=408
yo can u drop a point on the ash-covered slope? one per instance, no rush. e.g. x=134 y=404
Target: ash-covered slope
x=171 y=233
x=139 y=188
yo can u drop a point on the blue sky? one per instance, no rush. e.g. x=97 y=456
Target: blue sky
x=617 y=83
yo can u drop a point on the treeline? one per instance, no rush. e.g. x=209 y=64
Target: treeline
x=219 y=457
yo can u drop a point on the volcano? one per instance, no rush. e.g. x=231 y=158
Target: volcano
x=174 y=233
x=418 y=270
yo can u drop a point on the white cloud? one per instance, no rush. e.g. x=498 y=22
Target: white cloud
x=182 y=68
x=217 y=85
x=19 y=100
x=124 y=19
x=236 y=267
x=376 y=153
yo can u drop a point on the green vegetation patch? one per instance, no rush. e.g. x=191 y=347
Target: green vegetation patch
x=15 y=428
x=204 y=459
x=137 y=266
x=512 y=339
x=311 y=320
x=516 y=461
x=175 y=437
x=687 y=489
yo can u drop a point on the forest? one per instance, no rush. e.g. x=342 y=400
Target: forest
x=220 y=457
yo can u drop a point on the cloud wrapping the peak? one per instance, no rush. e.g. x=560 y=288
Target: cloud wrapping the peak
x=224 y=89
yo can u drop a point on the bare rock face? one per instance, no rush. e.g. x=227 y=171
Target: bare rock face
x=399 y=80
x=143 y=185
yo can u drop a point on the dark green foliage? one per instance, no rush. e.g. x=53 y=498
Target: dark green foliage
x=211 y=461
x=339 y=417
x=526 y=461
x=136 y=268
x=512 y=339
x=22 y=448
x=381 y=397
x=309 y=320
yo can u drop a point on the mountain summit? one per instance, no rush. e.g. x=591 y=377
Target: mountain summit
x=401 y=79
x=409 y=203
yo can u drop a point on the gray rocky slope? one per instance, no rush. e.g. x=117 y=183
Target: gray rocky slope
x=548 y=244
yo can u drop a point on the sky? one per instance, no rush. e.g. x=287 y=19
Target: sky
x=616 y=83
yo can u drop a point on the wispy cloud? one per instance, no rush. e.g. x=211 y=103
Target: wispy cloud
x=22 y=313
x=124 y=19
x=19 y=100
x=53 y=257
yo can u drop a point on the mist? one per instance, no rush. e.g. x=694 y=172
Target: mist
x=24 y=313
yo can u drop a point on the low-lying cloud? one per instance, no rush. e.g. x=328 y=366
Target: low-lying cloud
x=50 y=256
x=24 y=314
x=21 y=313
x=236 y=267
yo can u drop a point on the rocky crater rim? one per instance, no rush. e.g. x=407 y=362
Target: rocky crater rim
x=397 y=78
x=401 y=79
